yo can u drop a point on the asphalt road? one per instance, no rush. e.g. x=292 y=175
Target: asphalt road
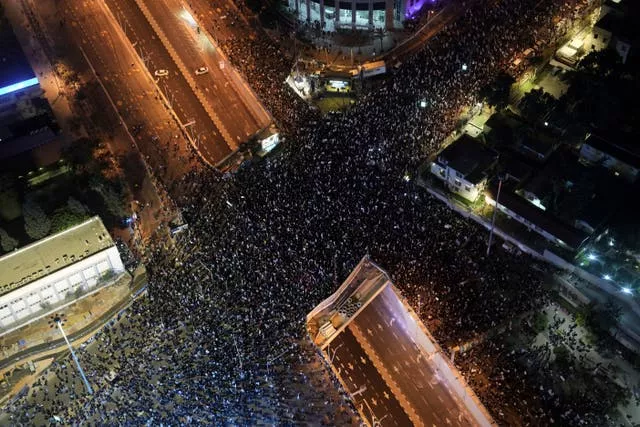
x=223 y=89
x=136 y=100
x=418 y=379
x=60 y=343
x=363 y=381
x=187 y=107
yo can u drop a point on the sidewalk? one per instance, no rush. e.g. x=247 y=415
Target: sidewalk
x=55 y=90
x=79 y=333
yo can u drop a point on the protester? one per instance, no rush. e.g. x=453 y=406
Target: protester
x=220 y=338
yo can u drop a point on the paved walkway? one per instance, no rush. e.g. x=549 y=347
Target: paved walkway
x=81 y=334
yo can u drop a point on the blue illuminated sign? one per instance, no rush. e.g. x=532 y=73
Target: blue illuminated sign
x=17 y=86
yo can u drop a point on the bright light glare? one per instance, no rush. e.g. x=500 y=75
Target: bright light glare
x=464 y=67
x=606 y=277
x=611 y=242
x=17 y=86
x=591 y=257
x=187 y=17
x=423 y=104
x=546 y=123
x=407 y=177
x=627 y=291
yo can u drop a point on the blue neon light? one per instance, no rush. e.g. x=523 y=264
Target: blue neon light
x=17 y=86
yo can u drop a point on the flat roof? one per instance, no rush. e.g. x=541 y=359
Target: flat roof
x=469 y=157
x=571 y=236
x=14 y=67
x=52 y=253
x=623 y=152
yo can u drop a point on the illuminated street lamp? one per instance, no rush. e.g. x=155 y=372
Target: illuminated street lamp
x=592 y=257
x=57 y=320
x=423 y=103
x=335 y=350
x=493 y=218
x=627 y=291
x=606 y=277
x=464 y=67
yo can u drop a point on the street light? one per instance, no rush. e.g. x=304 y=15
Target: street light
x=493 y=218
x=335 y=350
x=57 y=320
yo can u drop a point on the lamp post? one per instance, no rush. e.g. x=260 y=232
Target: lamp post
x=57 y=320
x=493 y=218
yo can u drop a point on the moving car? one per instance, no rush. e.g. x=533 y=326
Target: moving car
x=161 y=73
x=202 y=70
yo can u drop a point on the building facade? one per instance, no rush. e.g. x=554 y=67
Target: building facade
x=618 y=158
x=465 y=166
x=355 y=14
x=56 y=270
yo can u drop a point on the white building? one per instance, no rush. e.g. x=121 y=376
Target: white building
x=464 y=167
x=55 y=271
x=612 y=31
x=355 y=14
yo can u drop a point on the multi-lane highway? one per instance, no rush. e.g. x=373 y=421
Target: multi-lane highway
x=190 y=112
x=425 y=390
x=134 y=97
x=389 y=364
x=367 y=388
x=239 y=113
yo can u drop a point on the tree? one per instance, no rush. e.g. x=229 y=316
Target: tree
x=537 y=104
x=7 y=242
x=563 y=355
x=601 y=63
x=36 y=222
x=64 y=218
x=9 y=199
x=540 y=322
x=76 y=206
x=497 y=92
x=80 y=153
x=112 y=194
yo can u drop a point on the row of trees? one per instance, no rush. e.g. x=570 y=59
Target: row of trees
x=37 y=224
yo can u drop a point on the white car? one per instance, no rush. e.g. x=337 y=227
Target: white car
x=202 y=70
x=161 y=73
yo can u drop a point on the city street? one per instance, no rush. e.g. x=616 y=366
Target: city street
x=240 y=113
x=381 y=327
x=368 y=390
x=188 y=109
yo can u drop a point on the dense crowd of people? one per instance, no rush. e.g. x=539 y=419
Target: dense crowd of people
x=221 y=338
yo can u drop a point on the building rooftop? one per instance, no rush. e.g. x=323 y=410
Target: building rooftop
x=623 y=151
x=23 y=135
x=469 y=157
x=508 y=130
x=14 y=67
x=569 y=235
x=619 y=25
x=52 y=253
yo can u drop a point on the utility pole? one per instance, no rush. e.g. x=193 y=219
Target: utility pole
x=493 y=219
x=57 y=321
